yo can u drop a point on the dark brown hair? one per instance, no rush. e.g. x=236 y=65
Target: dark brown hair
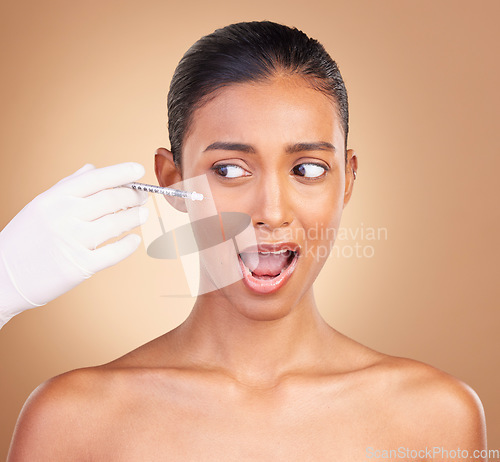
x=248 y=52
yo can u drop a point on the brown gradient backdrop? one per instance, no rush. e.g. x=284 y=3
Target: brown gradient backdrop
x=87 y=82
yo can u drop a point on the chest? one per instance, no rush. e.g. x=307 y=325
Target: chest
x=227 y=427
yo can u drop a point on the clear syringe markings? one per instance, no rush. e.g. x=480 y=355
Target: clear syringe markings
x=194 y=196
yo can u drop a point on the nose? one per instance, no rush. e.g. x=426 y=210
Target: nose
x=272 y=203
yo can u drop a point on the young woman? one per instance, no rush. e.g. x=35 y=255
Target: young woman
x=254 y=372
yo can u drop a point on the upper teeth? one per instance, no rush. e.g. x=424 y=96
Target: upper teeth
x=275 y=253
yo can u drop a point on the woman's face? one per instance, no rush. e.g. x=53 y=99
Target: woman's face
x=273 y=151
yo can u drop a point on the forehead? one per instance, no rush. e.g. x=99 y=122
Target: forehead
x=282 y=110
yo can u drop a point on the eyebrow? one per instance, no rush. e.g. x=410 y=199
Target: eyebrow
x=290 y=149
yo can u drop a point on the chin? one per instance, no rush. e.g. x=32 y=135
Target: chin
x=257 y=307
x=263 y=312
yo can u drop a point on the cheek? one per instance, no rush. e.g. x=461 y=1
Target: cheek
x=321 y=226
x=321 y=217
x=230 y=199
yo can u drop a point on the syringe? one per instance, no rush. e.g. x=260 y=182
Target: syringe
x=166 y=191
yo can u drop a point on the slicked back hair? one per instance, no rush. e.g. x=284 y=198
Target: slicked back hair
x=248 y=52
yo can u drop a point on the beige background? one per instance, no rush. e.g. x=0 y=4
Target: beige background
x=87 y=82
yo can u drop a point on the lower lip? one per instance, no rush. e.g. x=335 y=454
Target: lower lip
x=267 y=286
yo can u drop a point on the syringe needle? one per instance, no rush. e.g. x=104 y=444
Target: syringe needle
x=165 y=191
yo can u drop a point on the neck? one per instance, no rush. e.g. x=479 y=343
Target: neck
x=256 y=353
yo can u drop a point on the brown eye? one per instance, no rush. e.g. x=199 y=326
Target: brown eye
x=309 y=170
x=229 y=170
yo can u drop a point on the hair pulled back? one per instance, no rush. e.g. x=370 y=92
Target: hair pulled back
x=248 y=52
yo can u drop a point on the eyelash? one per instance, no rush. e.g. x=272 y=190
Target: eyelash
x=215 y=169
x=314 y=178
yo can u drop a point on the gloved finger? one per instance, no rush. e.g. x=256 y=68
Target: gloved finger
x=109 y=201
x=85 y=168
x=98 y=179
x=115 y=252
x=94 y=233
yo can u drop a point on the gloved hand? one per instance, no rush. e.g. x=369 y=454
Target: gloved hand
x=49 y=247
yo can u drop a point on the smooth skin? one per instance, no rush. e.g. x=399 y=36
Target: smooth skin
x=252 y=377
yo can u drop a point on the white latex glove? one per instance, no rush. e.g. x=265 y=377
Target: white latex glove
x=49 y=247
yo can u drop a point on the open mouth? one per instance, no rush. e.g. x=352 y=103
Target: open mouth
x=266 y=270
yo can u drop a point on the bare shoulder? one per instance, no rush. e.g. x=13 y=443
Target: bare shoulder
x=65 y=413
x=79 y=407
x=433 y=404
x=65 y=409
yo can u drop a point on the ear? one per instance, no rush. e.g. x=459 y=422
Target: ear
x=350 y=169
x=168 y=174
